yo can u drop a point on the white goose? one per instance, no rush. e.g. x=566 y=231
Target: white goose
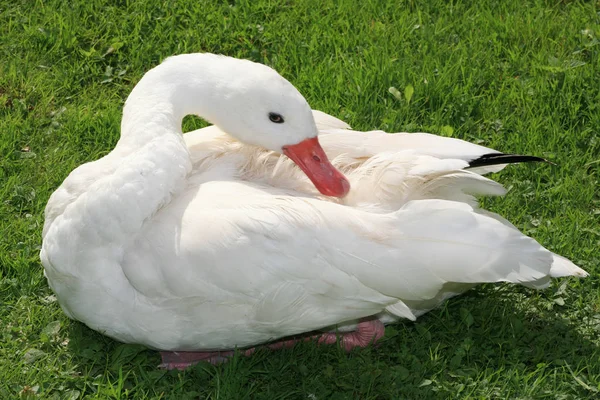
x=200 y=245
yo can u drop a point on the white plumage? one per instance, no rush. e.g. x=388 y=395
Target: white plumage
x=205 y=242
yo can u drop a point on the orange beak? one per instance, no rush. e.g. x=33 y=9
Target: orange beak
x=311 y=158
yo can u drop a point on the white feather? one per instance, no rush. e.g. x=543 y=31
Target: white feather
x=206 y=243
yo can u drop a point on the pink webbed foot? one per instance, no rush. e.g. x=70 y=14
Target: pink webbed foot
x=182 y=359
x=368 y=332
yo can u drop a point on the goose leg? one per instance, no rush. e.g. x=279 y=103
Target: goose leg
x=369 y=331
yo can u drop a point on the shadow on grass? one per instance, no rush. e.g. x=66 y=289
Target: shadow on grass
x=498 y=341
x=494 y=341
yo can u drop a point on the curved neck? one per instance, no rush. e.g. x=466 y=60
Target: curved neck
x=151 y=162
x=166 y=94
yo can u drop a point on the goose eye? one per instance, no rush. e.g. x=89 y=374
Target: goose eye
x=277 y=118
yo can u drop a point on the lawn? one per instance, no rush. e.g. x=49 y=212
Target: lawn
x=520 y=76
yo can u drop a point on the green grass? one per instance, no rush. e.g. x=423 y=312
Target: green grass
x=521 y=76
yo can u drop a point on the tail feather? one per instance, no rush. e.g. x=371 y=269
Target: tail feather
x=563 y=267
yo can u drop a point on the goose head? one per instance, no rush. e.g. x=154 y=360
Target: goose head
x=256 y=105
